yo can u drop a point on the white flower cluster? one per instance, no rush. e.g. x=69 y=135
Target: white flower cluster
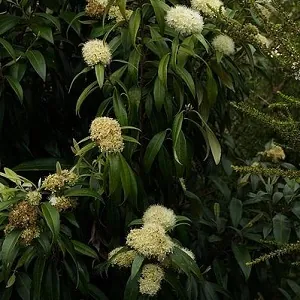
x=95 y=52
x=184 y=20
x=224 y=44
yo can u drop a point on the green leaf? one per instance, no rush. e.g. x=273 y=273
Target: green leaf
x=99 y=70
x=211 y=88
x=95 y=293
x=6 y=204
x=114 y=173
x=51 y=282
x=23 y=285
x=81 y=192
x=176 y=128
x=127 y=178
x=52 y=19
x=9 y=251
x=84 y=249
x=175 y=283
x=132 y=289
x=236 y=211
x=119 y=109
x=187 y=78
x=184 y=262
x=44 y=31
x=134 y=24
x=153 y=149
x=7 y=22
x=203 y=41
x=11 y=281
x=163 y=68
x=159 y=14
x=8 y=47
x=87 y=91
x=242 y=256
x=38 y=62
x=214 y=145
x=159 y=93
x=85 y=70
x=16 y=86
x=38 y=273
x=281 y=228
x=42 y=164
x=52 y=219
x=136 y=265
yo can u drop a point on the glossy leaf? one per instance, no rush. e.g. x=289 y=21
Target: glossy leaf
x=15 y=85
x=38 y=274
x=281 y=228
x=242 y=256
x=236 y=211
x=87 y=91
x=84 y=249
x=8 y=47
x=38 y=62
x=52 y=218
x=153 y=148
x=99 y=70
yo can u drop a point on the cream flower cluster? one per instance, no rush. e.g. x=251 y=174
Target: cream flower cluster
x=34 y=197
x=150 y=280
x=160 y=215
x=124 y=259
x=184 y=20
x=96 y=51
x=57 y=181
x=115 y=13
x=107 y=134
x=263 y=40
x=205 y=6
x=62 y=203
x=95 y=8
x=224 y=44
x=151 y=241
x=275 y=153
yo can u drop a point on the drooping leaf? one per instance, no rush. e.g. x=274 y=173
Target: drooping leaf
x=281 y=228
x=187 y=78
x=134 y=25
x=84 y=249
x=9 y=251
x=8 y=47
x=52 y=219
x=16 y=86
x=81 y=192
x=87 y=91
x=119 y=109
x=7 y=22
x=23 y=286
x=38 y=274
x=159 y=93
x=38 y=62
x=99 y=70
x=128 y=179
x=163 y=68
x=153 y=149
x=176 y=128
x=136 y=265
x=236 y=211
x=44 y=31
x=242 y=256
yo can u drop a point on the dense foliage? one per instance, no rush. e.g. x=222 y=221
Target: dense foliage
x=139 y=109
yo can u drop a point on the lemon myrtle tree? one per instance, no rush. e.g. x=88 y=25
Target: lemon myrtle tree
x=151 y=83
